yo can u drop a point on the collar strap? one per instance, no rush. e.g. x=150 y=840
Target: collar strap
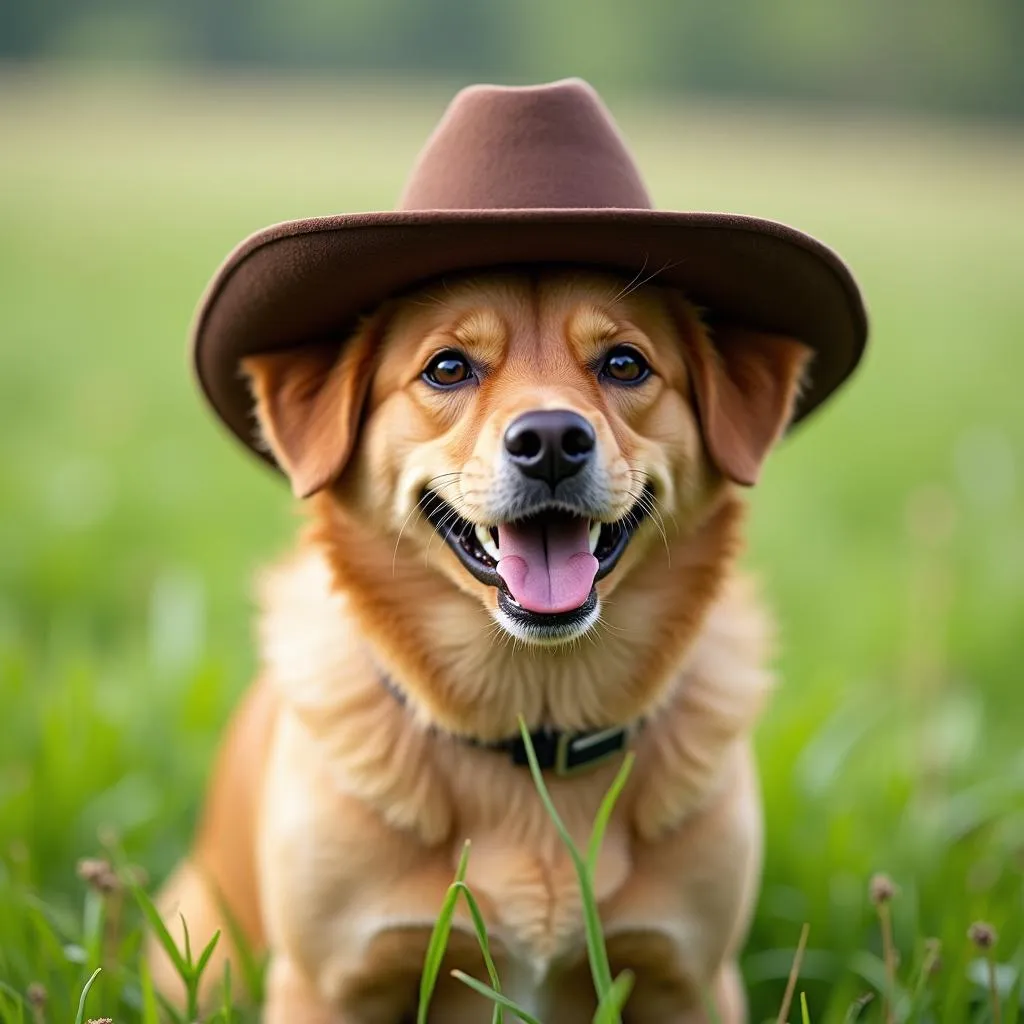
x=564 y=753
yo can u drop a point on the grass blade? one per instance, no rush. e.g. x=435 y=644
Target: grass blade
x=707 y=999
x=485 y=944
x=11 y=992
x=853 y=1011
x=150 y=1010
x=16 y=998
x=253 y=967
x=204 y=957
x=604 y=812
x=171 y=1010
x=163 y=936
x=497 y=997
x=600 y=968
x=794 y=974
x=920 y=994
x=17 y=1014
x=192 y=978
x=439 y=940
x=47 y=932
x=227 y=1007
x=80 y=1016
x=435 y=952
x=542 y=789
x=609 y=1010
x=1014 y=1001
x=188 y=943
x=805 y=1016
x=93 y=925
x=596 y=952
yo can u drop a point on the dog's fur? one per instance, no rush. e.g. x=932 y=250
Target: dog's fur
x=337 y=812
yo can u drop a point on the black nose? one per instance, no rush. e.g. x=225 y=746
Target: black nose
x=550 y=444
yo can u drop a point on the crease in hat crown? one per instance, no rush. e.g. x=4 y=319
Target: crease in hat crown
x=512 y=176
x=552 y=146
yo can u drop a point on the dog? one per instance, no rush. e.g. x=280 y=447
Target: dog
x=524 y=498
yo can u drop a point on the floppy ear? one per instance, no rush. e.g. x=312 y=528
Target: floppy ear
x=309 y=402
x=746 y=383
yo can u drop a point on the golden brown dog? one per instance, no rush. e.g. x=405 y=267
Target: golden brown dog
x=522 y=500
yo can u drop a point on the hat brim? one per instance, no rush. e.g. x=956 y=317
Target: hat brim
x=306 y=280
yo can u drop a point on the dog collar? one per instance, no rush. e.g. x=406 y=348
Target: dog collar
x=557 y=750
x=564 y=753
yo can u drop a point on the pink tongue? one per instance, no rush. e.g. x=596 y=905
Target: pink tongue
x=547 y=566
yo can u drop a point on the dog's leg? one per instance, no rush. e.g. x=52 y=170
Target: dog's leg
x=187 y=895
x=220 y=873
x=291 y=997
x=729 y=997
x=456 y=1003
x=723 y=1002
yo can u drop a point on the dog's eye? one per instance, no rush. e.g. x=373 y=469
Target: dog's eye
x=626 y=365
x=448 y=368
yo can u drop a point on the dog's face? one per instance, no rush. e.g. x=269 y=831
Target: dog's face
x=552 y=429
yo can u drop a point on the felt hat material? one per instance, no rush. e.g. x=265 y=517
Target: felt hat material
x=513 y=176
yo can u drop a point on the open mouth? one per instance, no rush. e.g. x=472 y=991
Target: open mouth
x=544 y=565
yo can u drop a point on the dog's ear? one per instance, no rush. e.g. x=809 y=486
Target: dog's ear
x=309 y=402
x=746 y=383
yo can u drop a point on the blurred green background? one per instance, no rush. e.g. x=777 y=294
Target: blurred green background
x=139 y=142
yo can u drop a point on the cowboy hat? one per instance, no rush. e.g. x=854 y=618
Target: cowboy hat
x=519 y=175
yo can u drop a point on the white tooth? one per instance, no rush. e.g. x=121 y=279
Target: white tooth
x=595 y=535
x=483 y=534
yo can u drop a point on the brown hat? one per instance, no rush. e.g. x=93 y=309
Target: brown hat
x=520 y=176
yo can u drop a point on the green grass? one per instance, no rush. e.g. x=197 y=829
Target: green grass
x=612 y=993
x=888 y=532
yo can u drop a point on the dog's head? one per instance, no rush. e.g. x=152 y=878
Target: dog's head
x=548 y=426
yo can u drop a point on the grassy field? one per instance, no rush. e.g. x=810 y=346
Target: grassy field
x=889 y=532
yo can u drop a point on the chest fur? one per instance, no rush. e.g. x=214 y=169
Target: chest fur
x=532 y=892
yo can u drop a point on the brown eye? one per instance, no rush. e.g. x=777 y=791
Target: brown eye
x=448 y=368
x=625 y=365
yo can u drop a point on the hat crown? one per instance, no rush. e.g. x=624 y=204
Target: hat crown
x=553 y=146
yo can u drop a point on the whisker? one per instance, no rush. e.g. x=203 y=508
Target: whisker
x=656 y=515
x=443 y=480
x=449 y=497
x=419 y=508
x=668 y=266
x=593 y=634
x=452 y=514
x=413 y=511
x=439 y=531
x=643 y=478
x=647 y=505
x=499 y=636
x=607 y=625
x=624 y=291
x=644 y=498
x=442 y=476
x=646 y=502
